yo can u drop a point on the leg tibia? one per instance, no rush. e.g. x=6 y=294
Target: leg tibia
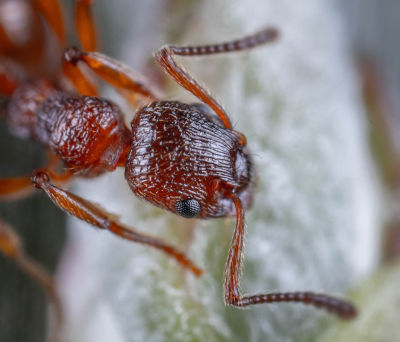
x=120 y=76
x=85 y=26
x=98 y=217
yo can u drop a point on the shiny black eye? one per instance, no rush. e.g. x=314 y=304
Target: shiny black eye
x=188 y=208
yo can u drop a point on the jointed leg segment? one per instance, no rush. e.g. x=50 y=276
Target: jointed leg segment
x=14 y=188
x=11 y=247
x=52 y=11
x=340 y=307
x=85 y=26
x=112 y=71
x=98 y=217
x=86 y=30
x=84 y=22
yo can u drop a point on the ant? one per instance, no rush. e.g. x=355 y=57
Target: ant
x=185 y=158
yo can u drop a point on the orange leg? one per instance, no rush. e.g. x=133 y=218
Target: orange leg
x=165 y=57
x=11 y=247
x=53 y=14
x=85 y=26
x=86 y=29
x=98 y=217
x=339 y=307
x=15 y=188
x=78 y=79
x=112 y=71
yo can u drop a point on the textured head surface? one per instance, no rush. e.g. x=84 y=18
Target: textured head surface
x=178 y=153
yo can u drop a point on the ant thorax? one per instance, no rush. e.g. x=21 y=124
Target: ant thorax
x=87 y=133
x=184 y=161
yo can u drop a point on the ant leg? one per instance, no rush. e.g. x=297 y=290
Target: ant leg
x=86 y=29
x=114 y=72
x=98 y=217
x=53 y=14
x=85 y=26
x=339 y=307
x=11 y=247
x=15 y=188
x=77 y=78
x=165 y=57
x=80 y=82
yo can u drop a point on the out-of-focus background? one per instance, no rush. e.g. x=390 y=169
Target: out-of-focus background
x=320 y=109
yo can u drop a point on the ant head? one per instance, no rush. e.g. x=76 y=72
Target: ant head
x=184 y=160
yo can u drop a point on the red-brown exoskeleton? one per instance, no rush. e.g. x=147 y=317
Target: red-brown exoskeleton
x=185 y=158
x=32 y=39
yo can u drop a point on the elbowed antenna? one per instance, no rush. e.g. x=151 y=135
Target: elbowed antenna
x=165 y=57
x=340 y=307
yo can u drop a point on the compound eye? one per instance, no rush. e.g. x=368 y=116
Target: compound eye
x=188 y=208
